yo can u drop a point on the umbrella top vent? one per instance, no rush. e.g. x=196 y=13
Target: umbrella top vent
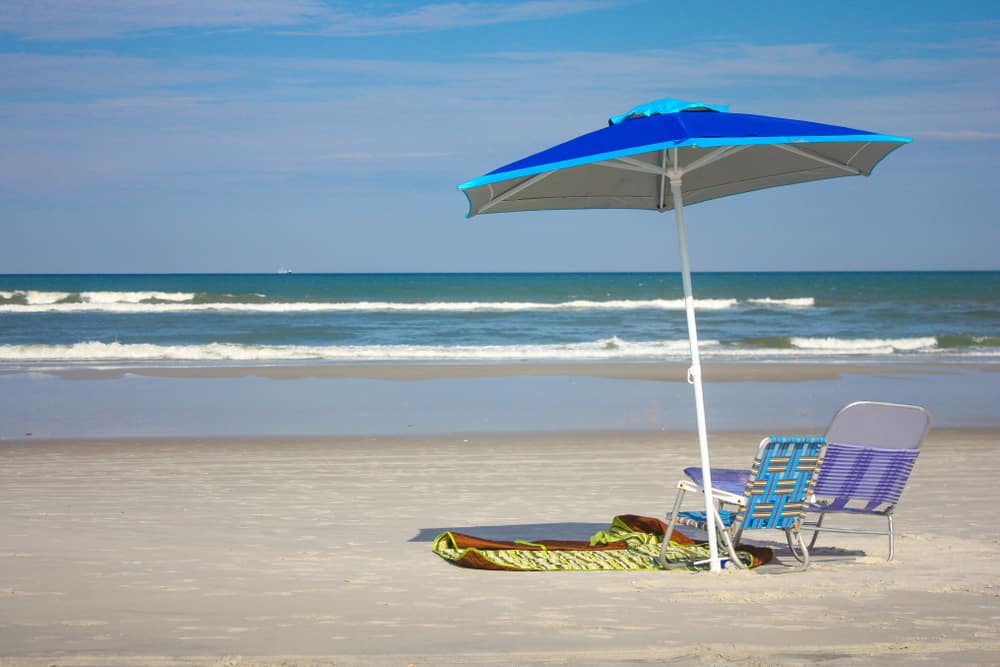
x=663 y=106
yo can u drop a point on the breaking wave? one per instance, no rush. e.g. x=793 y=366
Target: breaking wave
x=612 y=348
x=962 y=344
x=603 y=349
x=803 y=302
x=31 y=301
x=863 y=345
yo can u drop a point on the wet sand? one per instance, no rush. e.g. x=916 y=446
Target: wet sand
x=713 y=371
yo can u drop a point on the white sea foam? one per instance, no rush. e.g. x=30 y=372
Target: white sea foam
x=35 y=297
x=93 y=300
x=133 y=297
x=863 y=345
x=603 y=349
x=803 y=302
x=137 y=302
x=612 y=348
x=33 y=301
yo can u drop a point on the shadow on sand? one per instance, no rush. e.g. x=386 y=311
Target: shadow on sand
x=570 y=530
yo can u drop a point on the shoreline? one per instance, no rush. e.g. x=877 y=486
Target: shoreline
x=480 y=439
x=403 y=399
x=670 y=371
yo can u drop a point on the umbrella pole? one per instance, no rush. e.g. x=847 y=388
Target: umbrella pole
x=694 y=375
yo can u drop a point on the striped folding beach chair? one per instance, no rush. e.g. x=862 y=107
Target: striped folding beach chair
x=871 y=450
x=774 y=496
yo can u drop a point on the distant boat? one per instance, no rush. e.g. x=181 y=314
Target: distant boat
x=283 y=271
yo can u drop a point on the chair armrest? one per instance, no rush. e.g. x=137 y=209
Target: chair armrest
x=727 y=497
x=688 y=485
x=718 y=494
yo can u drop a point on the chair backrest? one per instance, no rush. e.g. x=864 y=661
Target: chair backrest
x=871 y=451
x=781 y=479
x=882 y=425
x=870 y=475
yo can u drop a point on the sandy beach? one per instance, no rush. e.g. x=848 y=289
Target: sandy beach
x=306 y=305
x=317 y=551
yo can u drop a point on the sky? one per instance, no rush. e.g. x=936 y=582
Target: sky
x=326 y=136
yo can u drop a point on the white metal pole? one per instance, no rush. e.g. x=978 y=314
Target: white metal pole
x=694 y=373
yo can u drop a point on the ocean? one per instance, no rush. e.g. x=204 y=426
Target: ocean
x=329 y=318
x=151 y=356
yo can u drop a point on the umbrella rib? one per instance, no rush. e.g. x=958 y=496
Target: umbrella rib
x=503 y=196
x=717 y=154
x=858 y=152
x=632 y=164
x=663 y=182
x=819 y=158
x=638 y=165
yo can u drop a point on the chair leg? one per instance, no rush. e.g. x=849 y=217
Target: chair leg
x=792 y=546
x=803 y=554
x=891 y=546
x=671 y=522
x=730 y=541
x=738 y=533
x=819 y=524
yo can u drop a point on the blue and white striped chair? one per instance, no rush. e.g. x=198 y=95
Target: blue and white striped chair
x=774 y=496
x=871 y=451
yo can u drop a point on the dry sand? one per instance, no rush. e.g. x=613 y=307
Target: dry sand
x=315 y=552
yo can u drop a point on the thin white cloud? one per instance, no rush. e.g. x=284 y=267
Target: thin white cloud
x=96 y=73
x=452 y=15
x=349 y=157
x=97 y=119
x=404 y=155
x=958 y=135
x=76 y=20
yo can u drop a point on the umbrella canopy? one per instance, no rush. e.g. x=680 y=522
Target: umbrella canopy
x=628 y=164
x=661 y=155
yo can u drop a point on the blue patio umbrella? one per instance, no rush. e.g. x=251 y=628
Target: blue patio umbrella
x=661 y=155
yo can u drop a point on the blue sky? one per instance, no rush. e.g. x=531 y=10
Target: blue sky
x=248 y=135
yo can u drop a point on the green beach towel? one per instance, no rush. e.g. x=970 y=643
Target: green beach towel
x=631 y=542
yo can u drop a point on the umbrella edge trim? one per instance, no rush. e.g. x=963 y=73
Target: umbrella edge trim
x=702 y=142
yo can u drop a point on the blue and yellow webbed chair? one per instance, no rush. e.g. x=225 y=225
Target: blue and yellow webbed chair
x=774 y=496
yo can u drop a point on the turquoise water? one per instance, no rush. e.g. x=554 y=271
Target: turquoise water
x=81 y=319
